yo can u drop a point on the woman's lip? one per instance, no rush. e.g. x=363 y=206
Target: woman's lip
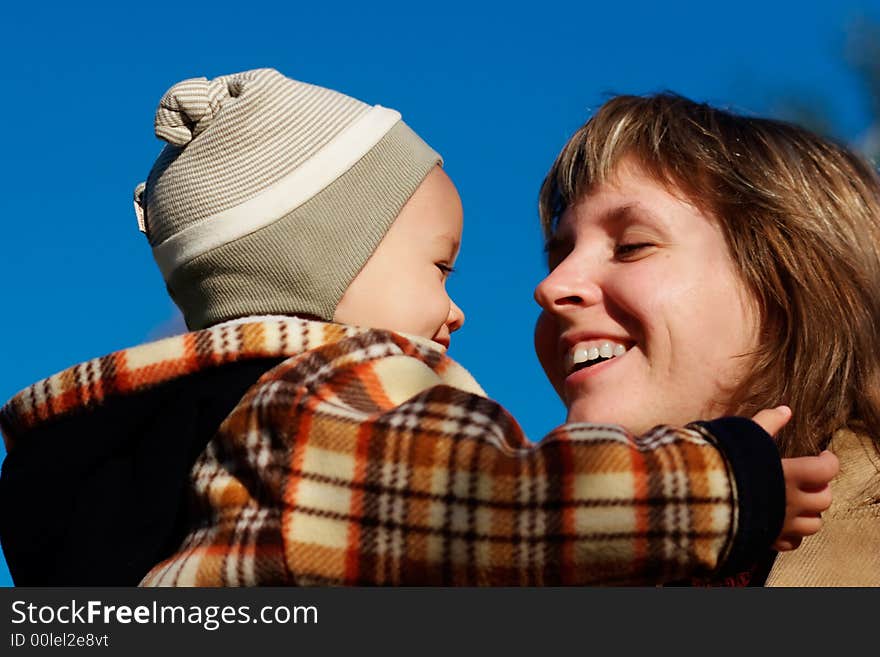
x=588 y=372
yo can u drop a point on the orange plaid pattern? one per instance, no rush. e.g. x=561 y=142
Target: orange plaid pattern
x=372 y=458
x=99 y=380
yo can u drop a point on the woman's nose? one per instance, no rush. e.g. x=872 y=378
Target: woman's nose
x=567 y=287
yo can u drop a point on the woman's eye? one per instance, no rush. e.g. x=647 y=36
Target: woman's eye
x=629 y=250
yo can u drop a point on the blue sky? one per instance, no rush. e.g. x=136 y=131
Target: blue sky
x=494 y=88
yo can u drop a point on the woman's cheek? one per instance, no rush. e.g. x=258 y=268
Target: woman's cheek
x=651 y=290
x=546 y=348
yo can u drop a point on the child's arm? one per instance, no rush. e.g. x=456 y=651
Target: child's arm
x=360 y=463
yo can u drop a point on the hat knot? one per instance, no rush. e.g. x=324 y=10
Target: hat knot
x=188 y=108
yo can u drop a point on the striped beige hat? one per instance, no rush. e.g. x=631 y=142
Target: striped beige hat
x=271 y=194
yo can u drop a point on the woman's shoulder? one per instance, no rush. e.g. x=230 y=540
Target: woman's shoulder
x=856 y=489
x=846 y=552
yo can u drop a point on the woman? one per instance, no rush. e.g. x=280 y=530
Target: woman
x=738 y=261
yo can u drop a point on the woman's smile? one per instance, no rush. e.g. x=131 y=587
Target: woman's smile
x=586 y=370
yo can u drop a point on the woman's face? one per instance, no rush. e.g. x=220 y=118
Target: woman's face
x=644 y=319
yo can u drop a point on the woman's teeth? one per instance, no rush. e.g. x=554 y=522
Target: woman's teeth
x=588 y=354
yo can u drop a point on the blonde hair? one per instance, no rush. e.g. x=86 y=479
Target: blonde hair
x=801 y=218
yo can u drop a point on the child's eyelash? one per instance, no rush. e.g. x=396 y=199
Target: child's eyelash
x=446 y=269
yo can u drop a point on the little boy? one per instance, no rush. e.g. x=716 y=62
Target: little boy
x=292 y=224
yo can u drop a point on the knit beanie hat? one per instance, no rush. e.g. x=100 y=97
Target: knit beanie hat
x=271 y=194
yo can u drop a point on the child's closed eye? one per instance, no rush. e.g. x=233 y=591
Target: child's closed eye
x=446 y=269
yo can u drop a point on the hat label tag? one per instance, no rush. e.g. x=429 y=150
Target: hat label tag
x=139 y=208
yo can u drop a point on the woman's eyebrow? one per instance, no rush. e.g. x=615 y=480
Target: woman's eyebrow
x=629 y=214
x=610 y=220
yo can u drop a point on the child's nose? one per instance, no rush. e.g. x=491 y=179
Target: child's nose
x=456 y=317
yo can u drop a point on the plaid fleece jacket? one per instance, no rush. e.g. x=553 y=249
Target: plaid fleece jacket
x=367 y=457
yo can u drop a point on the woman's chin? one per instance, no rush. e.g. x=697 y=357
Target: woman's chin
x=589 y=413
x=634 y=418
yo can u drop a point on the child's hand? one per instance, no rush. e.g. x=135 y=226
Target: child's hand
x=773 y=419
x=807 y=495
